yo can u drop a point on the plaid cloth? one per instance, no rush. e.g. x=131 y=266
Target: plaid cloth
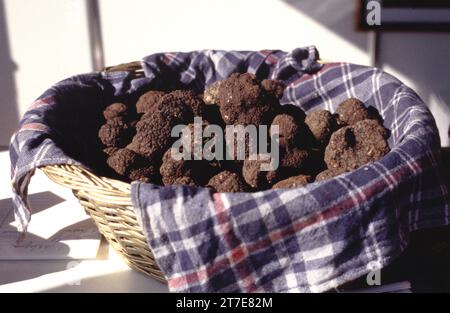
x=308 y=239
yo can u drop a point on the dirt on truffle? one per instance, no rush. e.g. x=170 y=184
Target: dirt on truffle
x=353 y=146
x=172 y=169
x=288 y=130
x=186 y=181
x=211 y=94
x=137 y=138
x=152 y=137
x=273 y=87
x=293 y=182
x=321 y=124
x=131 y=165
x=182 y=104
x=115 y=110
x=351 y=111
x=255 y=177
x=243 y=101
x=294 y=160
x=149 y=101
x=115 y=133
x=228 y=181
x=329 y=173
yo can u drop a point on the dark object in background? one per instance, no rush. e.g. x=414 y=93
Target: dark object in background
x=407 y=15
x=424 y=263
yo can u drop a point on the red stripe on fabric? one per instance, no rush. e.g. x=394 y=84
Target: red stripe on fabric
x=306 y=77
x=41 y=102
x=201 y=275
x=269 y=56
x=239 y=253
x=168 y=58
x=33 y=126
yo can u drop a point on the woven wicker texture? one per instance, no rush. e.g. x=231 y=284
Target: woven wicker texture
x=108 y=202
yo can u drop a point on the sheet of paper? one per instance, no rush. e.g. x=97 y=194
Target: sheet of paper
x=59 y=228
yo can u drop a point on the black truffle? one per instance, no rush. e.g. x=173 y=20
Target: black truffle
x=289 y=130
x=131 y=165
x=115 y=110
x=351 y=111
x=353 y=146
x=172 y=169
x=243 y=101
x=321 y=124
x=329 y=173
x=115 y=133
x=255 y=176
x=273 y=87
x=149 y=101
x=227 y=181
x=293 y=182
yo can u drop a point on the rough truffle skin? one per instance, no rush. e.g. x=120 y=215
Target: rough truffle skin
x=353 y=146
x=321 y=124
x=115 y=133
x=115 y=110
x=274 y=87
x=294 y=160
x=352 y=111
x=227 y=181
x=243 y=101
x=182 y=104
x=293 y=182
x=171 y=169
x=211 y=93
x=146 y=174
x=210 y=167
x=329 y=173
x=110 y=150
x=186 y=181
x=152 y=137
x=149 y=101
x=131 y=165
x=254 y=177
x=289 y=130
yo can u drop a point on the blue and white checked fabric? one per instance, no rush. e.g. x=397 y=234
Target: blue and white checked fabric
x=307 y=239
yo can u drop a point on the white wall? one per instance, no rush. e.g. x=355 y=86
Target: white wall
x=132 y=29
x=47 y=40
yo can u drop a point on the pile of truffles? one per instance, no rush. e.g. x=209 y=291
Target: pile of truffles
x=137 y=138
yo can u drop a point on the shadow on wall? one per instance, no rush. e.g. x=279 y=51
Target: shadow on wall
x=9 y=114
x=336 y=16
x=422 y=57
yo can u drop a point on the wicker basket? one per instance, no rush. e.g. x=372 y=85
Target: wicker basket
x=108 y=202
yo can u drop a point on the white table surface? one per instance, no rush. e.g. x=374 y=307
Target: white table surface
x=106 y=274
